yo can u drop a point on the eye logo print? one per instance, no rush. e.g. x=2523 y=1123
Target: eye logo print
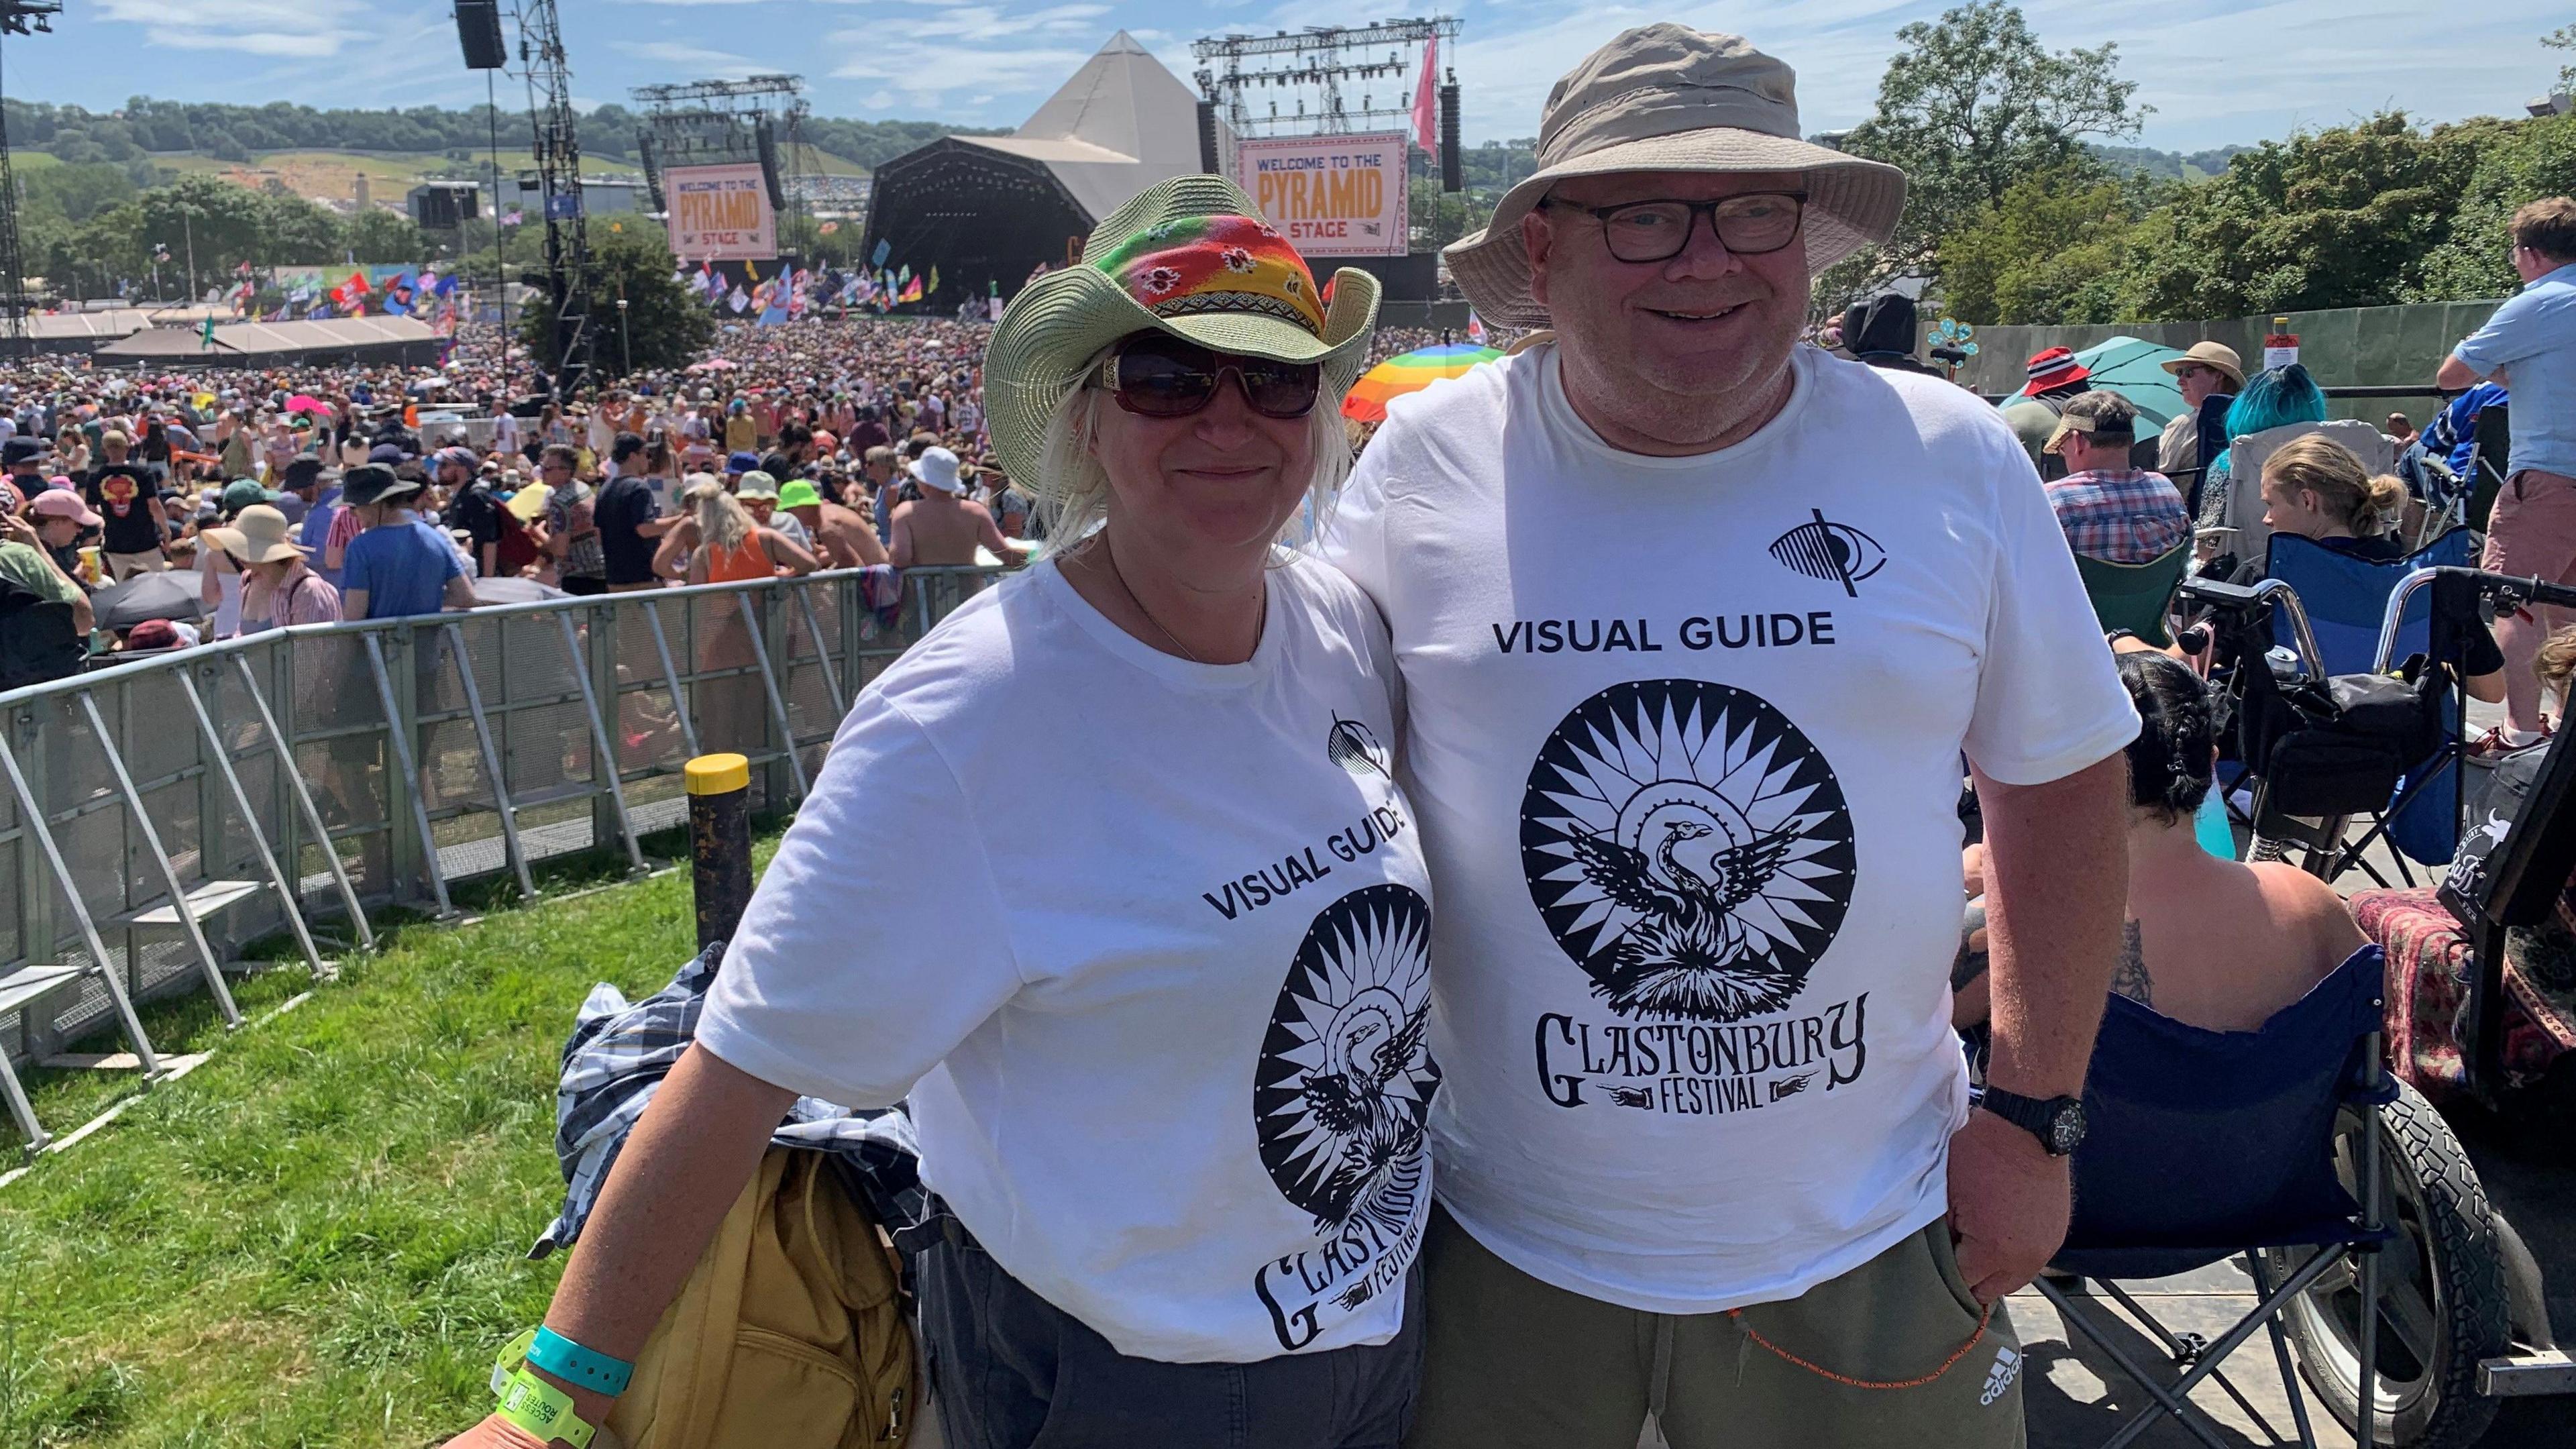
x=1835 y=552
x=1346 y=1079
x=1688 y=848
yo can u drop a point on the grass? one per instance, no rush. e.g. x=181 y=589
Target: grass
x=330 y=175
x=318 y=1237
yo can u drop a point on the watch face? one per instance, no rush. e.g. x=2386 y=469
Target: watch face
x=2066 y=1128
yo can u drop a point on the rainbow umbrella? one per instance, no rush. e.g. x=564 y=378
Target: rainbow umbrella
x=1410 y=372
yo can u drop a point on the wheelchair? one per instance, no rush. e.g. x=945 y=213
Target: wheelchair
x=2384 y=1276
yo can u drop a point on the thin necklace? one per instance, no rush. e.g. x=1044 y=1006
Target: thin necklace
x=1186 y=652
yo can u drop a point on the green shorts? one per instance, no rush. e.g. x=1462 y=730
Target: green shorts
x=1895 y=1352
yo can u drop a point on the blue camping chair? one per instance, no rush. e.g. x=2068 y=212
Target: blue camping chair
x=2346 y=599
x=2205 y=1145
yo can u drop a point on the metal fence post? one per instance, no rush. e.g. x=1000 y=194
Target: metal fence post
x=607 y=806
x=402 y=783
x=35 y=894
x=141 y=819
x=767 y=627
x=602 y=741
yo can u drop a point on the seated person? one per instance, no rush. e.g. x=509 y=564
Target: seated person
x=2314 y=487
x=2110 y=510
x=2210 y=943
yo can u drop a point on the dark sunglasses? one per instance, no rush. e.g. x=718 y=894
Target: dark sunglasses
x=1160 y=376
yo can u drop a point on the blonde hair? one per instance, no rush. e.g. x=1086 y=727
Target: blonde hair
x=2556 y=664
x=723 y=523
x=1071 y=489
x=2344 y=489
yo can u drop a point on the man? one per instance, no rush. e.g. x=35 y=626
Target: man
x=2054 y=378
x=741 y=432
x=24 y=460
x=2110 y=510
x=736 y=464
x=135 y=529
x=305 y=478
x=943 y=527
x=2400 y=430
x=877 y=466
x=1695 y=828
x=842 y=539
x=572 y=522
x=2205 y=369
x=1881 y=332
x=2530 y=346
x=401 y=565
x=627 y=527
x=471 y=508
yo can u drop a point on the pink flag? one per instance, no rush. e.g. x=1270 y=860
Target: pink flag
x=1426 y=121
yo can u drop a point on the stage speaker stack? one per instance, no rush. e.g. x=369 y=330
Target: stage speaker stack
x=1209 y=161
x=478 y=29
x=1452 y=165
x=652 y=168
x=768 y=139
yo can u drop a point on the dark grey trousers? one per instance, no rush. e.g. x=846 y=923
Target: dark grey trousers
x=1010 y=1370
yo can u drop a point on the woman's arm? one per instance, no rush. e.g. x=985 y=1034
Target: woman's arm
x=786 y=553
x=697 y=1143
x=666 y=555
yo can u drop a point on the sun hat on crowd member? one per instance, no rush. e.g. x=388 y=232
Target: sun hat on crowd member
x=2216 y=355
x=374 y=483
x=738 y=464
x=464 y=458
x=2051 y=368
x=60 y=503
x=1189 y=257
x=2102 y=417
x=938 y=468
x=258 y=536
x=799 y=494
x=1667 y=98
x=242 y=493
x=388 y=455
x=756 y=484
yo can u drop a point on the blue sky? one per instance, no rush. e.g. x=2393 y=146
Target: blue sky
x=2297 y=62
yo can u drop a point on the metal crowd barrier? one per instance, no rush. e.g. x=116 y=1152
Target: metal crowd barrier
x=156 y=816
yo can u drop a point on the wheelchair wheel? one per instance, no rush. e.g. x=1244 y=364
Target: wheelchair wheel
x=2443 y=1301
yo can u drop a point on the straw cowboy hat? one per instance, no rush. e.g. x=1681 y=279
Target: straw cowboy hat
x=1192 y=257
x=258 y=536
x=1667 y=98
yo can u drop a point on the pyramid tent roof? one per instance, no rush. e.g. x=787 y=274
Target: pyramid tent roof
x=1120 y=124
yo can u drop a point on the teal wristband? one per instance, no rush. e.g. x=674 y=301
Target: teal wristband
x=574 y=1364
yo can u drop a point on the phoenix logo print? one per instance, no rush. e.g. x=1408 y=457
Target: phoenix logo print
x=1688 y=848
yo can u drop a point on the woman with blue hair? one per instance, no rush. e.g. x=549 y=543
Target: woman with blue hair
x=2274 y=397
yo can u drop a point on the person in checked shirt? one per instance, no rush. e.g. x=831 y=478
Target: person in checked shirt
x=2110 y=510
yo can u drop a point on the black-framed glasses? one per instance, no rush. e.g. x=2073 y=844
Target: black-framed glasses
x=1157 y=375
x=1657 y=231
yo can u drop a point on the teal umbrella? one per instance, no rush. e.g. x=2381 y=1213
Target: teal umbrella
x=2134 y=369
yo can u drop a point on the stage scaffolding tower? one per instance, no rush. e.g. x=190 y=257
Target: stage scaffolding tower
x=1323 y=80
x=558 y=152
x=708 y=122
x=17 y=17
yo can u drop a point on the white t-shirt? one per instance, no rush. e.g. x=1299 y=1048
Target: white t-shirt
x=1146 y=943
x=1684 y=734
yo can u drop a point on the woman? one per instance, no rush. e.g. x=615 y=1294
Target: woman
x=739 y=546
x=1158 y=1009
x=219 y=573
x=2275 y=397
x=2315 y=487
x=281 y=590
x=2210 y=942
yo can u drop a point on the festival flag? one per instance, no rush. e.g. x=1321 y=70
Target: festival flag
x=1475 y=328
x=878 y=257
x=1426 y=130
x=934 y=277
x=349 y=292
x=739 y=300
x=903 y=275
x=911 y=291
x=206 y=334
x=993 y=300
x=829 y=227
x=511 y=217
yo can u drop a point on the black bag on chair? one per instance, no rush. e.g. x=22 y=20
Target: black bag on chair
x=2339 y=746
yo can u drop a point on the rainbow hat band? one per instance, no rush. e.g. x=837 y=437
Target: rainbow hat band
x=1191 y=257
x=1215 y=264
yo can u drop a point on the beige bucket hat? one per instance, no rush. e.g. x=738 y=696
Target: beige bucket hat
x=2210 y=354
x=1668 y=98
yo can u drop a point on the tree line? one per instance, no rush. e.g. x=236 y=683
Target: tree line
x=2024 y=207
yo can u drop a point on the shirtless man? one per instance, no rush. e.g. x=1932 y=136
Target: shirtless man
x=943 y=527
x=842 y=538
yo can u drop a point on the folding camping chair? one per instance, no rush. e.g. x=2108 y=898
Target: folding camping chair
x=2487 y=463
x=2203 y=1146
x=2135 y=597
x=2346 y=601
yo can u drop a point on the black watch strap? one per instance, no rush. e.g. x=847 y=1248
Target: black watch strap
x=2058 y=1122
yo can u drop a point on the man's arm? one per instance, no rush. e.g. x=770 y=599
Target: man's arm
x=353 y=604
x=2057 y=874
x=2455 y=375
x=459 y=593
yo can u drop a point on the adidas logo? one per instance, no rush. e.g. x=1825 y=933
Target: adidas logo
x=2007 y=1367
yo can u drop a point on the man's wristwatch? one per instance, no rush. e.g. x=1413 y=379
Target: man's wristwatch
x=2058 y=1122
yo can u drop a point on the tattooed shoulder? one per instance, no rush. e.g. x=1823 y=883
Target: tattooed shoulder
x=2129 y=978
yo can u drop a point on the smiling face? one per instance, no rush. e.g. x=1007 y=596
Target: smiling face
x=1679 y=355
x=1224 y=479
x=2197 y=380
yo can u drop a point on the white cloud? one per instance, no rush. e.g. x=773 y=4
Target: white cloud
x=972 y=56
x=296 y=28
x=696 y=60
